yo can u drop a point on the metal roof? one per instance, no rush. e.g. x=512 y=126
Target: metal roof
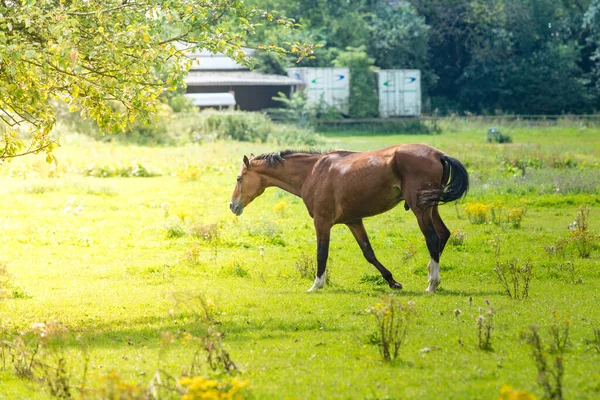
x=238 y=78
x=211 y=99
x=206 y=60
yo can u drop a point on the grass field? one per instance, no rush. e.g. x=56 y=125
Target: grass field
x=128 y=265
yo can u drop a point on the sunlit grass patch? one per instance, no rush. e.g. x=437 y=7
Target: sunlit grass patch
x=235 y=269
x=112 y=275
x=267 y=230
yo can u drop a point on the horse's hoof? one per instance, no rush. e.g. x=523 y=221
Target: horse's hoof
x=396 y=285
x=318 y=284
x=432 y=285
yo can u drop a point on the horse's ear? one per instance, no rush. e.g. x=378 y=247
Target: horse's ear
x=246 y=162
x=252 y=155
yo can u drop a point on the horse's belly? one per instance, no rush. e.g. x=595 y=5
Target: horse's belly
x=366 y=204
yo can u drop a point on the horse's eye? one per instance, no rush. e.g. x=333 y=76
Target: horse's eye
x=239 y=179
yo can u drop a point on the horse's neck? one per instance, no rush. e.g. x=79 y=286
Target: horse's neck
x=292 y=173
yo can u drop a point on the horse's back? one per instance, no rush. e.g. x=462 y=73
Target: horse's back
x=401 y=160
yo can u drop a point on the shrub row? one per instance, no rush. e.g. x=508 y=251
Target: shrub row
x=190 y=126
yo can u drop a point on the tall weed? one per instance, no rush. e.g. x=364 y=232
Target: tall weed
x=594 y=343
x=392 y=320
x=485 y=326
x=549 y=357
x=305 y=265
x=514 y=277
x=581 y=241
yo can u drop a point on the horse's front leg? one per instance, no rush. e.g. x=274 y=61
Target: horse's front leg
x=323 y=232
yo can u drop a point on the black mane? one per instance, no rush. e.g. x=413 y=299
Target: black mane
x=272 y=159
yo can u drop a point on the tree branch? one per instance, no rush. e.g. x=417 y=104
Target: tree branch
x=39 y=149
x=174 y=39
x=104 y=11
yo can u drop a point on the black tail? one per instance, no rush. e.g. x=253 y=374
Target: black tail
x=457 y=186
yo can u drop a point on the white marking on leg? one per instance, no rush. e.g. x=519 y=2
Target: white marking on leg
x=318 y=284
x=434 y=275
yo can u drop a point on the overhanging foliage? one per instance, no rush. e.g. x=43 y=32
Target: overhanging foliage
x=108 y=60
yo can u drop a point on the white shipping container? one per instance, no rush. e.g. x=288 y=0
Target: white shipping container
x=330 y=85
x=399 y=92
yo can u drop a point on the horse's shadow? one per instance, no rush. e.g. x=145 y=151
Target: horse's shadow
x=383 y=290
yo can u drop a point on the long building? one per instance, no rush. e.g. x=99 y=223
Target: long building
x=217 y=81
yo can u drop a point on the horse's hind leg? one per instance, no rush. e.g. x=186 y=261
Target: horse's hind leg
x=442 y=230
x=443 y=234
x=427 y=223
x=360 y=234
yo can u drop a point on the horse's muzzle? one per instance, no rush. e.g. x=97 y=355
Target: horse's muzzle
x=236 y=207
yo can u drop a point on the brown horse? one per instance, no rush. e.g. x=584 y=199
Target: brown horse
x=343 y=187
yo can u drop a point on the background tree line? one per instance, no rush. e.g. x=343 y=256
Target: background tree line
x=480 y=56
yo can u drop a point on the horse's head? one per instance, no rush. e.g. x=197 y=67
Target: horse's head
x=248 y=187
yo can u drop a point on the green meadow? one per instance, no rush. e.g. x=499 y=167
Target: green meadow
x=129 y=255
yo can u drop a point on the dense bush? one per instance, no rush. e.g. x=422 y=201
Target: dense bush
x=157 y=133
x=237 y=125
x=294 y=135
x=254 y=127
x=147 y=135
